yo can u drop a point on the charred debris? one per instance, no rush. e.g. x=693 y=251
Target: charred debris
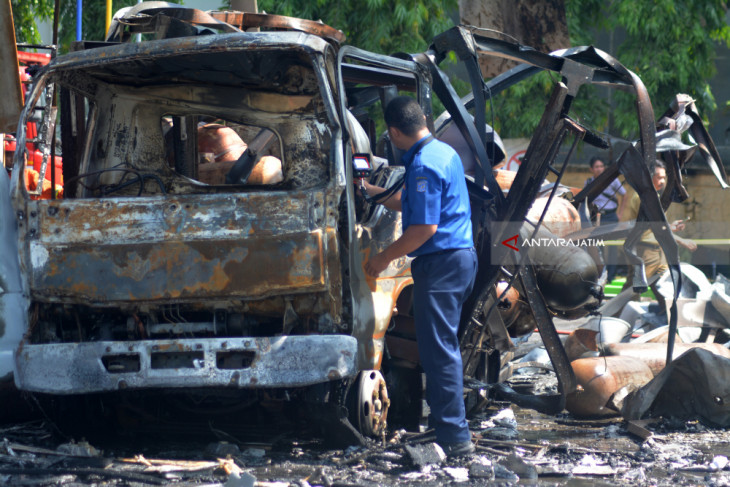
x=169 y=267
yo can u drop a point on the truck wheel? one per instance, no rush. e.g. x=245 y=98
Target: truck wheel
x=369 y=403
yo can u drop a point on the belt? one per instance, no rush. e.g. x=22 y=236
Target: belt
x=648 y=245
x=606 y=212
x=445 y=251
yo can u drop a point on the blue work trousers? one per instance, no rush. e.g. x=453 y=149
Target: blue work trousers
x=441 y=283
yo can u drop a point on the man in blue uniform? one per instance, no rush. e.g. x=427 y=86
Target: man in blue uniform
x=437 y=231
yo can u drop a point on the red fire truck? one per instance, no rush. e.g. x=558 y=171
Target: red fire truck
x=27 y=63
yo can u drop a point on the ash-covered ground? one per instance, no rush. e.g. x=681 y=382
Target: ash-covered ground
x=514 y=446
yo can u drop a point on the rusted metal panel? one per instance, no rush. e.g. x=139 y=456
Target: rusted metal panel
x=332 y=263
x=599 y=378
x=180 y=270
x=375 y=298
x=11 y=101
x=285 y=361
x=218 y=45
x=232 y=216
x=179 y=248
x=654 y=354
x=247 y=20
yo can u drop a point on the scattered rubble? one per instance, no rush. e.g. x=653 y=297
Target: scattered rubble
x=519 y=467
x=426 y=454
x=555 y=450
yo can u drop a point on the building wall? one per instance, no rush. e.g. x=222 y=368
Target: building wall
x=709 y=217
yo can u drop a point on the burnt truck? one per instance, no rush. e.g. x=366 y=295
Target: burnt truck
x=165 y=268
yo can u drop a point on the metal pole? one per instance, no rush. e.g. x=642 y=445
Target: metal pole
x=79 y=13
x=56 y=15
x=139 y=36
x=108 y=17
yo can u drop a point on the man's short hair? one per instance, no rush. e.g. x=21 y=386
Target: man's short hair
x=593 y=161
x=659 y=164
x=405 y=114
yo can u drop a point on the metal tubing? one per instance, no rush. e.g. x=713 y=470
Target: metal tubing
x=108 y=16
x=79 y=13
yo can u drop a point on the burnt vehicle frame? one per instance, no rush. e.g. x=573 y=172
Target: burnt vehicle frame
x=351 y=318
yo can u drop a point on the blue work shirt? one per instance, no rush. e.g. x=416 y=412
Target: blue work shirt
x=435 y=194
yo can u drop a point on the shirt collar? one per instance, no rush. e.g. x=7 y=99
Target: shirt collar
x=408 y=156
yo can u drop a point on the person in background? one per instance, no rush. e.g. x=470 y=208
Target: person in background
x=610 y=204
x=648 y=248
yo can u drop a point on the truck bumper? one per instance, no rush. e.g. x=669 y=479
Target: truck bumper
x=244 y=363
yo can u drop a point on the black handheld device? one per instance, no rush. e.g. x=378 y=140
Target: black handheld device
x=361 y=165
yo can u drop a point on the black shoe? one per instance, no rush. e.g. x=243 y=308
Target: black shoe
x=459 y=449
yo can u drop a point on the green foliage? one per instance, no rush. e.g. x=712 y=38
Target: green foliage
x=513 y=119
x=517 y=111
x=380 y=26
x=93 y=23
x=670 y=44
x=26 y=14
x=584 y=18
x=374 y=25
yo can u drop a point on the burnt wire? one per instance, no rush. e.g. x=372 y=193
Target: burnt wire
x=30 y=397
x=140 y=179
x=378 y=198
x=108 y=190
x=94 y=173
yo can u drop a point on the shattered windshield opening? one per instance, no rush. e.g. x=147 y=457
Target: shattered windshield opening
x=133 y=138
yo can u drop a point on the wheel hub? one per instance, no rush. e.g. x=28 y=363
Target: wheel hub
x=372 y=403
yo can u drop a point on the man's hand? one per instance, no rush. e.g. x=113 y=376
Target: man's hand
x=366 y=184
x=392 y=203
x=361 y=185
x=377 y=264
x=677 y=225
x=412 y=239
x=686 y=243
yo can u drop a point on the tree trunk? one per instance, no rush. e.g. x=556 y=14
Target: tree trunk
x=539 y=24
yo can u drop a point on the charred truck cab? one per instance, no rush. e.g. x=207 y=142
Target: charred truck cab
x=168 y=264
x=210 y=237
